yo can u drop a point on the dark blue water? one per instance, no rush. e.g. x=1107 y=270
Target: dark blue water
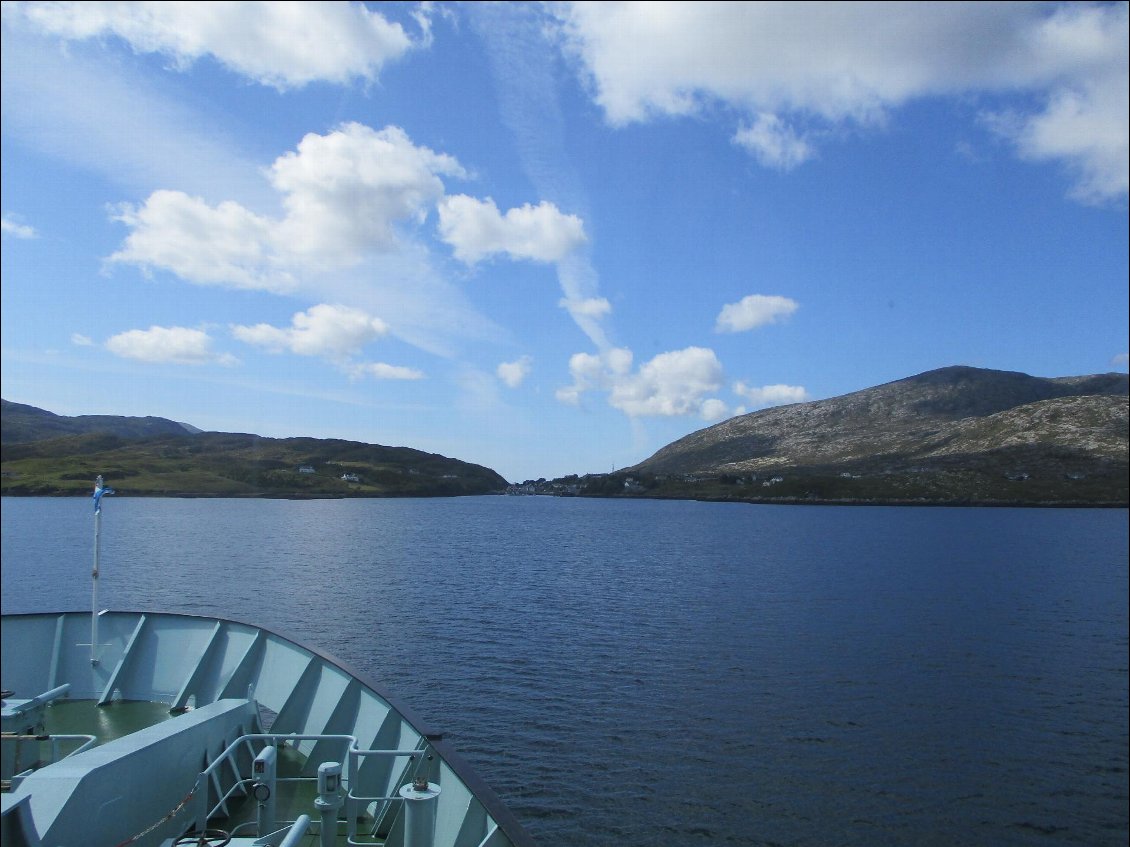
x=676 y=673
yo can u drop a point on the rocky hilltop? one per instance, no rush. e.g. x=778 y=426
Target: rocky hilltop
x=957 y=434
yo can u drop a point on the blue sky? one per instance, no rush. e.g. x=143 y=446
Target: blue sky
x=551 y=239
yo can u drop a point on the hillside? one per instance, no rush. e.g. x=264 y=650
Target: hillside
x=956 y=434
x=138 y=456
x=22 y=424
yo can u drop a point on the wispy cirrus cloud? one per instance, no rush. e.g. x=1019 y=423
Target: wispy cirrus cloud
x=82 y=108
x=527 y=87
x=589 y=307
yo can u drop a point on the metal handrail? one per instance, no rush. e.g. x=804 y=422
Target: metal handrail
x=355 y=801
x=353 y=754
x=18 y=777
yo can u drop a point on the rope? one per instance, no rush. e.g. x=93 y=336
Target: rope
x=163 y=820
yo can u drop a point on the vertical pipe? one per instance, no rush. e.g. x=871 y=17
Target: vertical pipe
x=352 y=804
x=328 y=833
x=263 y=769
x=329 y=800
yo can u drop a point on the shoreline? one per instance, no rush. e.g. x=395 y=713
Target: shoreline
x=753 y=501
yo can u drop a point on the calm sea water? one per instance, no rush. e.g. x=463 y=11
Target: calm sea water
x=676 y=673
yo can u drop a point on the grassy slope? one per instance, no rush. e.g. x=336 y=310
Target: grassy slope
x=233 y=465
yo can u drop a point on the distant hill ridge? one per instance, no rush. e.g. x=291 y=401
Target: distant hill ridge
x=935 y=419
x=22 y=423
x=957 y=435
x=46 y=454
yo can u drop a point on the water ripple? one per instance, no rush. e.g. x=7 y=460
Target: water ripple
x=647 y=673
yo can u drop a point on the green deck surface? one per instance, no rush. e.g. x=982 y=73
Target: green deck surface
x=120 y=718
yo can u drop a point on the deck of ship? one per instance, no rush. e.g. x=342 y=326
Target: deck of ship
x=181 y=709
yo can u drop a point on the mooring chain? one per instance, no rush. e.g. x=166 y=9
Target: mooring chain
x=165 y=819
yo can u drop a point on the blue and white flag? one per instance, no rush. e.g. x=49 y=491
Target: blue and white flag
x=99 y=490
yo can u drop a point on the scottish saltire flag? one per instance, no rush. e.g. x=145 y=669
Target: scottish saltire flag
x=99 y=490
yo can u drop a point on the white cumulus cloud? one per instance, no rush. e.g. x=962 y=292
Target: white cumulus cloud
x=673 y=383
x=332 y=332
x=753 y=311
x=595 y=371
x=774 y=143
x=167 y=345
x=329 y=331
x=780 y=66
x=713 y=410
x=344 y=193
x=12 y=228
x=284 y=45
x=514 y=373
x=476 y=229
x=770 y=395
x=353 y=201
x=380 y=370
x=1076 y=128
x=207 y=245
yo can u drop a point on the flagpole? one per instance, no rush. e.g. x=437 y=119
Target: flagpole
x=100 y=490
x=94 y=573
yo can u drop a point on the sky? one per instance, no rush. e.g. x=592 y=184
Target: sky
x=551 y=238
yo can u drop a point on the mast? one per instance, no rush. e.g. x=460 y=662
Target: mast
x=99 y=490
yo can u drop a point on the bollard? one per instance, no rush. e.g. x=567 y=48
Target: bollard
x=421 y=799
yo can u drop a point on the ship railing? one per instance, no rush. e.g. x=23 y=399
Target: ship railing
x=56 y=742
x=356 y=805
x=377 y=806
